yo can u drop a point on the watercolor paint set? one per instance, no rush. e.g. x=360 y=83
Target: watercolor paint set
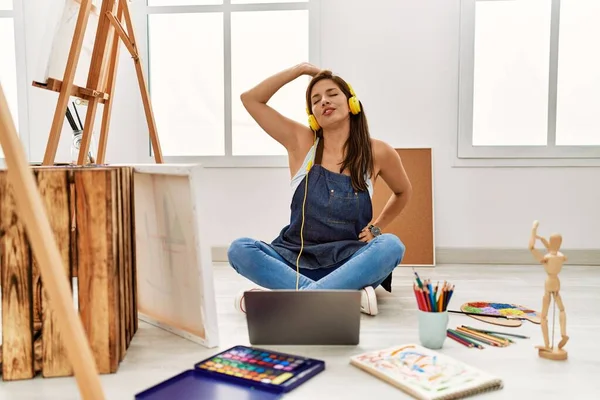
x=239 y=372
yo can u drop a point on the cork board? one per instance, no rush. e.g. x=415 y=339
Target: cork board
x=414 y=226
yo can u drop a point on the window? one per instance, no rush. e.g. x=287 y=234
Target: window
x=529 y=79
x=8 y=62
x=202 y=54
x=12 y=65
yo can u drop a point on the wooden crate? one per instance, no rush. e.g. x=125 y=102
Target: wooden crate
x=90 y=210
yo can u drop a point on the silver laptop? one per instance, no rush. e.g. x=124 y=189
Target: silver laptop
x=290 y=317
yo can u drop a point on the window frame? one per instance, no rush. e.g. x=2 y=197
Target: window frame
x=22 y=85
x=549 y=155
x=140 y=13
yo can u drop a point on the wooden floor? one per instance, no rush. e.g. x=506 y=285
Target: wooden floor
x=156 y=355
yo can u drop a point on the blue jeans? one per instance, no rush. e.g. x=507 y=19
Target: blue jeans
x=369 y=266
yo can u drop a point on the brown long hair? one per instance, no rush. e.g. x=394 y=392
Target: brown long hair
x=358 y=156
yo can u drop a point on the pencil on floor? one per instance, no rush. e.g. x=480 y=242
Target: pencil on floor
x=459 y=339
x=480 y=337
x=500 y=338
x=497 y=333
x=466 y=338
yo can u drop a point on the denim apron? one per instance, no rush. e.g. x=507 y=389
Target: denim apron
x=334 y=216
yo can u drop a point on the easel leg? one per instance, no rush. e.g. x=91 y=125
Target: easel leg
x=96 y=74
x=88 y=127
x=143 y=89
x=67 y=83
x=114 y=61
x=45 y=250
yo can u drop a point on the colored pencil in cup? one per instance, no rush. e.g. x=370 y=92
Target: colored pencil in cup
x=418 y=297
x=419 y=282
x=423 y=300
x=447 y=299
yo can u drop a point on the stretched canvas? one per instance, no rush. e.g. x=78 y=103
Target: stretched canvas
x=175 y=288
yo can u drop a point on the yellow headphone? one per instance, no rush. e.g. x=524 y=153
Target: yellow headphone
x=353 y=103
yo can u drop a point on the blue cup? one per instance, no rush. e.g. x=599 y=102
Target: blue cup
x=432 y=329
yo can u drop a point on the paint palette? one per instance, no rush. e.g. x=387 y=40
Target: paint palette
x=244 y=373
x=260 y=367
x=513 y=314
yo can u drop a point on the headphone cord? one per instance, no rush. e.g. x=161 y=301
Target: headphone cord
x=308 y=167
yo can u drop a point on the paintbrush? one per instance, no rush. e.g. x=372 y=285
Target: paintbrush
x=488 y=315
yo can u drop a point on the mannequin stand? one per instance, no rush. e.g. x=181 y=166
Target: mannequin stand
x=551 y=352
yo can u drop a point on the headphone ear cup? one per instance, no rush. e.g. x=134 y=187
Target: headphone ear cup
x=312 y=122
x=354 y=105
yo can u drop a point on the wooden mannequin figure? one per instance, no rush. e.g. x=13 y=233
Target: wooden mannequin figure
x=553 y=262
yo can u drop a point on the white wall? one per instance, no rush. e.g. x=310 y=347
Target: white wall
x=402 y=58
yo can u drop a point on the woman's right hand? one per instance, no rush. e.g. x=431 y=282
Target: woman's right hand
x=309 y=69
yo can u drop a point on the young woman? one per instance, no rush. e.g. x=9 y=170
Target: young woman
x=332 y=240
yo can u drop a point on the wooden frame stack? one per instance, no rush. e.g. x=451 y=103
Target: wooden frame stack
x=90 y=212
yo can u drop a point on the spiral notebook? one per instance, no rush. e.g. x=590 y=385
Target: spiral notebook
x=426 y=374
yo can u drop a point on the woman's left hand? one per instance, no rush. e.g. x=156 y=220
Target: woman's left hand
x=365 y=235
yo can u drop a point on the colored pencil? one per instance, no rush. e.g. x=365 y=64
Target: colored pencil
x=491 y=340
x=478 y=339
x=497 y=333
x=432 y=298
x=458 y=339
x=418 y=297
x=423 y=300
x=447 y=300
x=440 y=302
x=418 y=279
x=500 y=338
x=466 y=338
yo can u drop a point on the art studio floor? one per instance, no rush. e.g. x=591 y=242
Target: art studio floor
x=156 y=355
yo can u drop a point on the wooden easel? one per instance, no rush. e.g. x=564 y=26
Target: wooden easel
x=44 y=247
x=100 y=86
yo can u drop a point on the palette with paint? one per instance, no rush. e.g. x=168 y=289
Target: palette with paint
x=239 y=372
x=488 y=311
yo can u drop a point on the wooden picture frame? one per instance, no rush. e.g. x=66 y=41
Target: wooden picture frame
x=175 y=287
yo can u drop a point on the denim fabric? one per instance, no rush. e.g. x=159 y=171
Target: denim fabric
x=333 y=257
x=368 y=266
x=334 y=215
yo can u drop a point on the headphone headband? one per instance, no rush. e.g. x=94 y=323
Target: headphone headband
x=353 y=104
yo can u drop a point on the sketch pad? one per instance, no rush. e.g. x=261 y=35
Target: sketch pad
x=426 y=374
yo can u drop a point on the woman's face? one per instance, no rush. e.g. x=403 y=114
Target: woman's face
x=329 y=104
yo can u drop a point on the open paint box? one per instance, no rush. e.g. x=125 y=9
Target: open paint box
x=240 y=372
